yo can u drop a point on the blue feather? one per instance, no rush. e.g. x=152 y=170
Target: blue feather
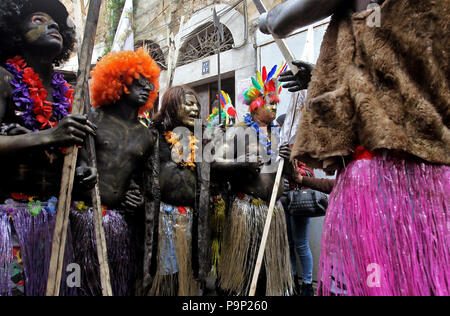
x=272 y=72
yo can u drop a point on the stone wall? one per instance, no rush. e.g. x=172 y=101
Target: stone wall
x=153 y=18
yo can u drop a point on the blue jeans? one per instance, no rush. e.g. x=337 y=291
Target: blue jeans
x=298 y=234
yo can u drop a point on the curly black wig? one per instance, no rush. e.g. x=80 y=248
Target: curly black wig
x=12 y=15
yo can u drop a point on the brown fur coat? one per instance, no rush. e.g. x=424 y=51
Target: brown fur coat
x=381 y=87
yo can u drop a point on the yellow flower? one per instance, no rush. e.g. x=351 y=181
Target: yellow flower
x=257 y=202
x=81 y=207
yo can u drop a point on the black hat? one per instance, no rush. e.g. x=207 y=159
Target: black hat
x=55 y=8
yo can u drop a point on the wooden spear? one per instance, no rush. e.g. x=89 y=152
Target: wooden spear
x=100 y=238
x=68 y=172
x=287 y=54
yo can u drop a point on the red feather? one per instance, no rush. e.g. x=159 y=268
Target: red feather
x=232 y=112
x=264 y=74
x=271 y=86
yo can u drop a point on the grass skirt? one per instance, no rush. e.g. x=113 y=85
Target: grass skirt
x=242 y=237
x=6 y=255
x=386 y=232
x=34 y=234
x=121 y=257
x=175 y=275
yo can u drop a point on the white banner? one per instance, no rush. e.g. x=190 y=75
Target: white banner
x=124 y=39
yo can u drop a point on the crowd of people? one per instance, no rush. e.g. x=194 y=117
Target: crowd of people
x=377 y=113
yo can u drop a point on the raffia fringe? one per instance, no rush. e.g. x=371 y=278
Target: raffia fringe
x=179 y=281
x=217 y=227
x=387 y=230
x=242 y=237
x=6 y=250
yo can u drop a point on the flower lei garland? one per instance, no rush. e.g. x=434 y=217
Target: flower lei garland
x=30 y=96
x=174 y=142
x=263 y=139
x=35 y=207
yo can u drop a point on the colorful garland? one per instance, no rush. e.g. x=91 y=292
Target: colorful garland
x=30 y=96
x=263 y=139
x=174 y=141
x=35 y=207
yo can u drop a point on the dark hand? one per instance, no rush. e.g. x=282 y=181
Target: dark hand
x=285 y=151
x=72 y=130
x=133 y=199
x=14 y=130
x=86 y=177
x=300 y=81
x=286 y=185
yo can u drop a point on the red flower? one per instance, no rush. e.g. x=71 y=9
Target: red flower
x=182 y=210
x=31 y=78
x=43 y=113
x=69 y=96
x=362 y=153
x=17 y=62
x=104 y=210
x=20 y=196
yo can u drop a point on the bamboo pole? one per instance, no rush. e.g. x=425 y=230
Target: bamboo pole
x=68 y=172
x=102 y=251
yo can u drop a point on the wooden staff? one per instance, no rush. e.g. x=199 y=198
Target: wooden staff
x=287 y=54
x=68 y=172
x=100 y=238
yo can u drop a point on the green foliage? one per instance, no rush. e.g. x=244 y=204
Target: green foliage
x=114 y=10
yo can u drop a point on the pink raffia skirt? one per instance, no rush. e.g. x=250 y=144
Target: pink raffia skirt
x=387 y=230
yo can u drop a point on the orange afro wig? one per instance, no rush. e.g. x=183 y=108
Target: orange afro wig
x=115 y=72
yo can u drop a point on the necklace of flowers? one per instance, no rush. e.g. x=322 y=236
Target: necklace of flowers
x=29 y=96
x=175 y=144
x=263 y=139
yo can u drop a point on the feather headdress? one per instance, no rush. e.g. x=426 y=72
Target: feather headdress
x=265 y=86
x=228 y=111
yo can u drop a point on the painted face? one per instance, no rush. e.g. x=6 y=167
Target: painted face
x=41 y=31
x=267 y=113
x=189 y=111
x=140 y=91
